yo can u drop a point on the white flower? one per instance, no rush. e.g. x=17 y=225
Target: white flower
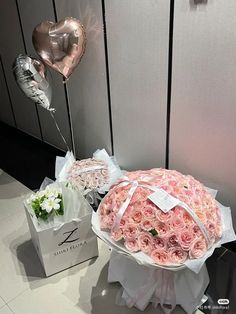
x=40 y=193
x=51 y=203
x=31 y=199
x=56 y=203
x=52 y=192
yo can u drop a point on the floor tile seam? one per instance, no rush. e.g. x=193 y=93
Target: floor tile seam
x=4 y=303
x=18 y=295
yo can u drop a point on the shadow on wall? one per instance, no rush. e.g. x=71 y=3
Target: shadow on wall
x=85 y=13
x=193 y=3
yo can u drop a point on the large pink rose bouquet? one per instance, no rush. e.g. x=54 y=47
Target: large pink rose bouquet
x=169 y=238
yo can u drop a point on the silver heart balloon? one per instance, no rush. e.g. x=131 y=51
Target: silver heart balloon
x=30 y=75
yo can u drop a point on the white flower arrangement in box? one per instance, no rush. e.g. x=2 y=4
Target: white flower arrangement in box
x=46 y=203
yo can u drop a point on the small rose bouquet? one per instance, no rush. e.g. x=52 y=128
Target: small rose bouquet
x=88 y=174
x=162 y=217
x=47 y=203
x=93 y=177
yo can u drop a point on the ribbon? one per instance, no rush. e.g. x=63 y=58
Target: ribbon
x=88 y=169
x=92 y=197
x=134 y=184
x=58 y=128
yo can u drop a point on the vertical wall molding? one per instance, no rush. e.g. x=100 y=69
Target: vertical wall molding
x=8 y=92
x=25 y=48
x=69 y=116
x=107 y=72
x=171 y=26
x=66 y=93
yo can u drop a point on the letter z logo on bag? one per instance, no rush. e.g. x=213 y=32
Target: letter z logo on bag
x=69 y=239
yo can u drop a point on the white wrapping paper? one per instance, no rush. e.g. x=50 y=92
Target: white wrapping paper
x=63 y=165
x=142 y=285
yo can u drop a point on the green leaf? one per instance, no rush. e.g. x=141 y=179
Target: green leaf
x=43 y=214
x=153 y=232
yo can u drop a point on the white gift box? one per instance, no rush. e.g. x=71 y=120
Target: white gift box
x=64 y=244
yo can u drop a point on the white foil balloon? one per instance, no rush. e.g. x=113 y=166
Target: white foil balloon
x=30 y=75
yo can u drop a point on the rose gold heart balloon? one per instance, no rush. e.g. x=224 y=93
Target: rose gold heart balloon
x=60 y=45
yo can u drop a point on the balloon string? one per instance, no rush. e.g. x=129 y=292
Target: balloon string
x=59 y=130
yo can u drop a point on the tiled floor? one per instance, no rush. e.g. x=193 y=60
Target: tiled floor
x=23 y=287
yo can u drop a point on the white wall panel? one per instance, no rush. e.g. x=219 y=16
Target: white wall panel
x=11 y=44
x=203 y=107
x=6 y=114
x=138 y=36
x=87 y=86
x=32 y=13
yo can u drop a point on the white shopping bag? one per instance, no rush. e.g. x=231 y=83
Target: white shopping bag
x=66 y=242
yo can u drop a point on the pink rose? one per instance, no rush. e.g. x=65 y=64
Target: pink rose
x=103 y=223
x=162 y=228
x=177 y=255
x=107 y=221
x=176 y=223
x=132 y=245
x=136 y=216
x=130 y=231
x=196 y=230
x=188 y=220
x=185 y=239
x=188 y=192
x=178 y=211
x=163 y=217
x=138 y=205
x=159 y=243
x=166 y=188
x=123 y=223
x=117 y=234
x=201 y=215
x=122 y=195
x=211 y=228
x=104 y=209
x=145 y=242
x=172 y=183
x=136 y=197
x=198 y=248
x=143 y=192
x=147 y=224
x=172 y=241
x=149 y=212
x=160 y=257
